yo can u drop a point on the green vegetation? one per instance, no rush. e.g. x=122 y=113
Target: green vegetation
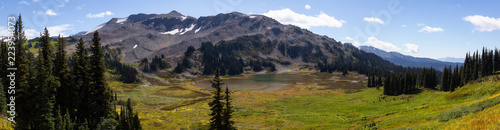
x=50 y=96
x=464 y=110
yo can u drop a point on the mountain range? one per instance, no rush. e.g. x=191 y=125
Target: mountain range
x=408 y=61
x=144 y=36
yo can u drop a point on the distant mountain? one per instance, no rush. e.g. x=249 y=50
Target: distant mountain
x=408 y=61
x=252 y=39
x=452 y=59
x=78 y=33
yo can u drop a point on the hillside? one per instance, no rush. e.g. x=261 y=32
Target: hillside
x=409 y=61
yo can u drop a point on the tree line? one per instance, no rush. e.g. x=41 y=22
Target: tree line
x=475 y=66
x=50 y=95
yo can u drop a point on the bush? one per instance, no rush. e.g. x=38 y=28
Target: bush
x=464 y=110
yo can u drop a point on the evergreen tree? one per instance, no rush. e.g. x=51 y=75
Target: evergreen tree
x=47 y=85
x=216 y=105
x=137 y=122
x=227 y=123
x=81 y=80
x=455 y=79
x=65 y=97
x=497 y=60
x=490 y=64
x=67 y=121
x=445 y=80
x=101 y=97
x=60 y=124
x=369 y=81
x=24 y=87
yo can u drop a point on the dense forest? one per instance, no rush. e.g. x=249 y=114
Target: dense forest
x=475 y=66
x=54 y=92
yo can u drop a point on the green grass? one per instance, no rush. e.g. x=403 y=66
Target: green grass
x=464 y=110
x=311 y=106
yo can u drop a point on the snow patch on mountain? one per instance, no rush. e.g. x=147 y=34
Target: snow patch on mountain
x=180 y=31
x=121 y=20
x=95 y=29
x=188 y=29
x=195 y=31
x=173 y=32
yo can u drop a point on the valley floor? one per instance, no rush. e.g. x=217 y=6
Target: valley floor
x=180 y=105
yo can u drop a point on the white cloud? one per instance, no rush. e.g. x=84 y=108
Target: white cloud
x=373 y=20
x=35 y=0
x=307 y=7
x=372 y=41
x=24 y=2
x=50 y=12
x=287 y=16
x=420 y=24
x=31 y=33
x=483 y=23
x=411 y=48
x=99 y=15
x=59 y=29
x=80 y=21
x=61 y=5
x=351 y=40
x=404 y=26
x=430 y=29
x=4 y=31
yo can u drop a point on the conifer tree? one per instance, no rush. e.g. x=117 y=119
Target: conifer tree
x=227 y=113
x=67 y=121
x=81 y=80
x=216 y=105
x=65 y=97
x=47 y=85
x=25 y=84
x=101 y=97
x=497 y=60
x=60 y=124
x=137 y=122
x=445 y=80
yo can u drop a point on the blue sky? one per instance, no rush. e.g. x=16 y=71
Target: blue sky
x=422 y=28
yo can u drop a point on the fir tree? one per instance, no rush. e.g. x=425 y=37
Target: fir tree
x=497 y=60
x=137 y=122
x=60 y=124
x=65 y=97
x=216 y=105
x=101 y=97
x=81 y=79
x=445 y=80
x=67 y=121
x=25 y=85
x=47 y=85
x=227 y=123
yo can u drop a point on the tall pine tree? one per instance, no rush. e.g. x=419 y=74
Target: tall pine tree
x=24 y=87
x=81 y=80
x=227 y=123
x=65 y=97
x=497 y=60
x=101 y=97
x=216 y=104
x=46 y=87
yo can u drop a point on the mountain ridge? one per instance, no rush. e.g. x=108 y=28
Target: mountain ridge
x=408 y=61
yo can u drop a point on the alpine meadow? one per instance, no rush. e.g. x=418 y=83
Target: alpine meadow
x=237 y=64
